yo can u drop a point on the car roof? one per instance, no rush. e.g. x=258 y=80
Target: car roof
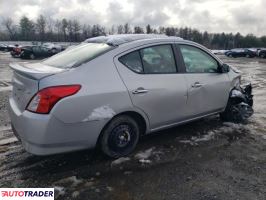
x=116 y=40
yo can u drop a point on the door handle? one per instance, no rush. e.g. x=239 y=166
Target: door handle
x=197 y=85
x=139 y=91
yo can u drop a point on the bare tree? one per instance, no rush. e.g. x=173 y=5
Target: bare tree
x=120 y=29
x=76 y=30
x=64 y=28
x=58 y=29
x=127 y=28
x=41 y=27
x=10 y=27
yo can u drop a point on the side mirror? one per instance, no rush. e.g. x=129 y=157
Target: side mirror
x=224 y=68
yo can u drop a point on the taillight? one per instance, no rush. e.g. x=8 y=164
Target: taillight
x=46 y=98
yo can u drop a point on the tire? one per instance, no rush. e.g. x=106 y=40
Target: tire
x=32 y=56
x=120 y=137
x=248 y=56
x=230 y=56
x=53 y=51
x=262 y=55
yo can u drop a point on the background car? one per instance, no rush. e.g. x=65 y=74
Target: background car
x=5 y=47
x=16 y=51
x=32 y=52
x=234 y=53
x=54 y=48
x=262 y=53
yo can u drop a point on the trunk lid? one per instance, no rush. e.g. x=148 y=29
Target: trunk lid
x=25 y=81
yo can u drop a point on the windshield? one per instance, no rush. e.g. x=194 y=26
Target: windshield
x=77 y=55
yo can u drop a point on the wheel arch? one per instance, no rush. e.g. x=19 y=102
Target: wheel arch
x=140 y=119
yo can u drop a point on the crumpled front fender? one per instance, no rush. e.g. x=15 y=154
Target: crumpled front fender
x=242 y=94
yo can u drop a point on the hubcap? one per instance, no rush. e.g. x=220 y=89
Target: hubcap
x=121 y=137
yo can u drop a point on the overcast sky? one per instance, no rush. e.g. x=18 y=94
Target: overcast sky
x=244 y=16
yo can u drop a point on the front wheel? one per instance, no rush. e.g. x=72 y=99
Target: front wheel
x=120 y=137
x=32 y=56
x=262 y=55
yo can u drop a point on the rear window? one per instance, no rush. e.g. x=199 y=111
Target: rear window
x=77 y=55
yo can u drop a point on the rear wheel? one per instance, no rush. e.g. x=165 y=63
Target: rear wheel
x=120 y=137
x=262 y=55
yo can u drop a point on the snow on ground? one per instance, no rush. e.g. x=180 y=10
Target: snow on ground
x=5 y=128
x=144 y=156
x=60 y=190
x=120 y=160
x=69 y=180
x=8 y=88
x=227 y=128
x=8 y=140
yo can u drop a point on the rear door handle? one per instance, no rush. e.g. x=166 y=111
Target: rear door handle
x=197 y=85
x=139 y=91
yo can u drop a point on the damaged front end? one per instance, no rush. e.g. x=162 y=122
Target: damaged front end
x=239 y=106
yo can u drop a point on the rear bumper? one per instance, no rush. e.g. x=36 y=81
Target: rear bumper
x=46 y=135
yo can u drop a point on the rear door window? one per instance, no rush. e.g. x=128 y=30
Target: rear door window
x=158 y=59
x=151 y=60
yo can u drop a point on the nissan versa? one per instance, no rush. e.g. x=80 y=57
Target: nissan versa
x=110 y=90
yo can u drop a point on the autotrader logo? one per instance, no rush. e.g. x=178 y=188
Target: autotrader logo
x=26 y=193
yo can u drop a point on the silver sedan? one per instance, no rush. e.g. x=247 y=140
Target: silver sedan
x=110 y=90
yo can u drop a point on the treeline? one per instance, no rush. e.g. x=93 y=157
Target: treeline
x=66 y=30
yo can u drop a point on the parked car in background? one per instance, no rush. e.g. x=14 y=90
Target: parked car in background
x=110 y=90
x=54 y=48
x=5 y=47
x=234 y=53
x=262 y=53
x=16 y=51
x=32 y=52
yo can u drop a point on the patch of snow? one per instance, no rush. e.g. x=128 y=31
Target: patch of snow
x=120 y=160
x=61 y=190
x=8 y=141
x=264 y=137
x=145 y=154
x=75 y=194
x=110 y=189
x=203 y=138
x=8 y=88
x=103 y=112
x=144 y=161
x=5 y=128
x=97 y=190
x=72 y=179
x=98 y=174
x=127 y=172
x=186 y=142
x=209 y=136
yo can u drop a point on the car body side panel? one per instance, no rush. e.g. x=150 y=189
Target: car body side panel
x=211 y=96
x=165 y=101
x=102 y=94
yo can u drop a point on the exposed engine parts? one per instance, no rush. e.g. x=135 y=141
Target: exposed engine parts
x=239 y=106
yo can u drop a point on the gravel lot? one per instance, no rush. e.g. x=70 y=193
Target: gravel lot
x=206 y=159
